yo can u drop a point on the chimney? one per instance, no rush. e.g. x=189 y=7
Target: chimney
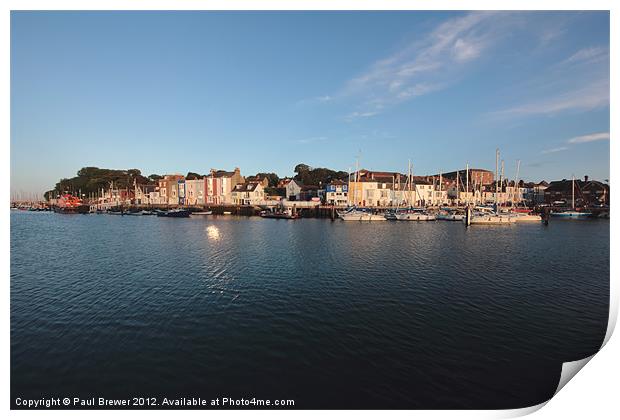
x=585 y=178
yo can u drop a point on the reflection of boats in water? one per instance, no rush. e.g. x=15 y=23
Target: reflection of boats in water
x=174 y=213
x=571 y=214
x=70 y=204
x=360 y=215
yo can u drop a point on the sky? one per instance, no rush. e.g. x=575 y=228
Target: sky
x=172 y=92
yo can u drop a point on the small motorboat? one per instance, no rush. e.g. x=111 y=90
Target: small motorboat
x=174 y=213
x=202 y=213
x=279 y=215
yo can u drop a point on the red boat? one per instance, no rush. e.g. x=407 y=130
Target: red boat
x=68 y=203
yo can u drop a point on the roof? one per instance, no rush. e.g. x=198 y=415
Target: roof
x=247 y=187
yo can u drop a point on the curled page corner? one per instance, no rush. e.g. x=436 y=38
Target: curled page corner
x=570 y=369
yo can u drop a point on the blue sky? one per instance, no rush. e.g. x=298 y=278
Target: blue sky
x=170 y=92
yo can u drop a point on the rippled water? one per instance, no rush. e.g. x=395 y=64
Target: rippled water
x=331 y=314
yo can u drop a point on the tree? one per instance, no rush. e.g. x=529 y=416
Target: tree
x=271 y=177
x=301 y=168
x=193 y=175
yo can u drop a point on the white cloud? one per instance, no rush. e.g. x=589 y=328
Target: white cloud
x=356 y=115
x=554 y=150
x=593 y=96
x=425 y=65
x=589 y=138
x=588 y=55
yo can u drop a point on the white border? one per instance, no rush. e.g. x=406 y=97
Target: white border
x=592 y=395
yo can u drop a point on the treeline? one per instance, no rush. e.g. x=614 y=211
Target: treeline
x=317 y=176
x=90 y=180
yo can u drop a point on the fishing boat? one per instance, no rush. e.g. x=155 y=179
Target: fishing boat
x=174 y=213
x=148 y=213
x=202 y=213
x=70 y=204
x=573 y=213
x=133 y=213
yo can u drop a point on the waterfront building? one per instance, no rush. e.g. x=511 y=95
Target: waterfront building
x=142 y=193
x=336 y=193
x=263 y=180
x=169 y=189
x=480 y=176
x=248 y=193
x=195 y=191
x=220 y=184
x=587 y=192
x=296 y=191
x=283 y=182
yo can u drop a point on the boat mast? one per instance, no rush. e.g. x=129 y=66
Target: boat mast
x=458 y=192
x=440 y=189
x=514 y=190
x=573 y=195
x=496 y=178
x=467 y=182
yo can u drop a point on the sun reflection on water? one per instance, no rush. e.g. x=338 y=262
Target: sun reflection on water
x=213 y=232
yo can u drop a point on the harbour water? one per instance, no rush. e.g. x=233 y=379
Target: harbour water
x=330 y=314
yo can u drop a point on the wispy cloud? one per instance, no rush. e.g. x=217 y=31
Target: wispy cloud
x=310 y=140
x=356 y=115
x=425 y=65
x=588 y=138
x=588 y=55
x=593 y=96
x=554 y=150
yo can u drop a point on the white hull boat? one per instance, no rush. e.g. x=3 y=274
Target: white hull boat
x=492 y=219
x=361 y=216
x=524 y=217
x=451 y=217
x=415 y=217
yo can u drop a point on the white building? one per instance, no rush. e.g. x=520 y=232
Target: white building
x=248 y=193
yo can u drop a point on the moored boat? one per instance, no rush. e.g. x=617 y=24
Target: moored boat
x=357 y=215
x=279 y=215
x=174 y=213
x=415 y=216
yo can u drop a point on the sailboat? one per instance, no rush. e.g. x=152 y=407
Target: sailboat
x=521 y=215
x=497 y=218
x=573 y=213
x=354 y=214
x=412 y=214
